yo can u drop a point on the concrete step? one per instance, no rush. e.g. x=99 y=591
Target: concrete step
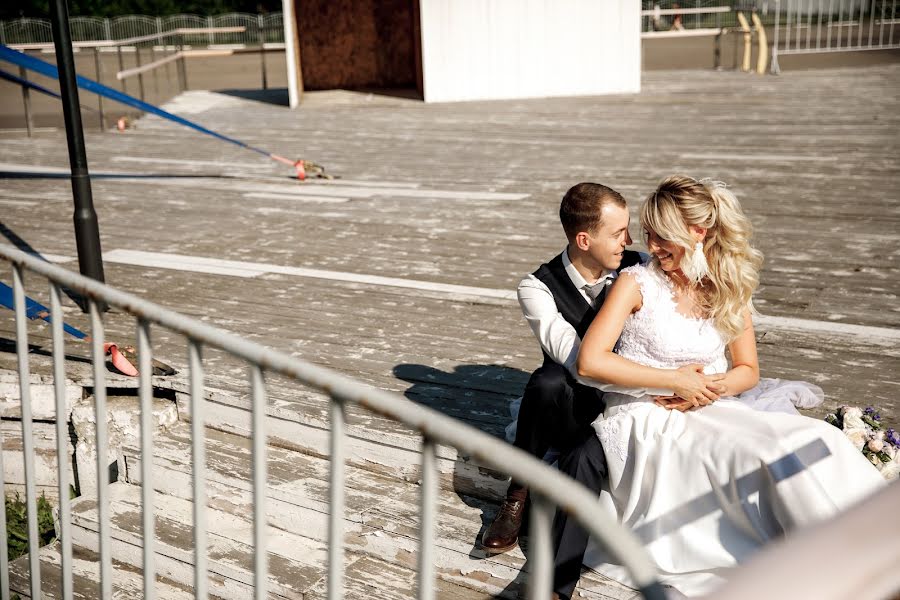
x=127 y=581
x=381 y=517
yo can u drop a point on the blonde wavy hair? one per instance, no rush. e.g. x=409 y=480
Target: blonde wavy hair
x=681 y=201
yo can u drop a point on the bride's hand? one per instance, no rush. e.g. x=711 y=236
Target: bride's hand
x=695 y=387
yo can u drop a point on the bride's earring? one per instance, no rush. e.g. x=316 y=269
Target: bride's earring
x=696 y=267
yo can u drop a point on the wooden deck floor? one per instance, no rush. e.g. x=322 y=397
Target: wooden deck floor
x=402 y=273
x=466 y=194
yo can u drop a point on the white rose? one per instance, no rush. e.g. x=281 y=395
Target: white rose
x=889 y=450
x=890 y=471
x=851 y=411
x=875 y=445
x=873 y=458
x=857 y=437
x=853 y=419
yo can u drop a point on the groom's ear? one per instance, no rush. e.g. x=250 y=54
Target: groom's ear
x=582 y=241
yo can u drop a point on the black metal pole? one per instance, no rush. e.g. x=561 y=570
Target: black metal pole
x=87 y=229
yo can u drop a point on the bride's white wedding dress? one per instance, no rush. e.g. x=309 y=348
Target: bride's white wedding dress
x=705 y=489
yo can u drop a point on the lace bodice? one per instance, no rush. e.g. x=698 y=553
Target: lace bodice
x=659 y=336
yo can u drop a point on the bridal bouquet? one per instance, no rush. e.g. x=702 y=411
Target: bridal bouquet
x=866 y=431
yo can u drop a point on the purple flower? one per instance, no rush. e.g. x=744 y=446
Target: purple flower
x=869 y=410
x=893 y=437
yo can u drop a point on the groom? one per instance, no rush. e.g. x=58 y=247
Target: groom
x=559 y=301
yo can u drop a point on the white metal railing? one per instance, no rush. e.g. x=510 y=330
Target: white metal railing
x=815 y=26
x=86 y=29
x=685 y=16
x=549 y=487
x=172 y=43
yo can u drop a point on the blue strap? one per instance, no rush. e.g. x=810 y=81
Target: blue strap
x=34 y=310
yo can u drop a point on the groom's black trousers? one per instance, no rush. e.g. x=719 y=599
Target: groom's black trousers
x=556 y=412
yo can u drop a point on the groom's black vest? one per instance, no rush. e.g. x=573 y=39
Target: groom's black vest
x=569 y=301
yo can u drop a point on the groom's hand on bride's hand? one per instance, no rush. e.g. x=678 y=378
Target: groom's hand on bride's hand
x=692 y=389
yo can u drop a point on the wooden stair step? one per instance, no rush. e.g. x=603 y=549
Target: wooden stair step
x=383 y=510
x=127 y=581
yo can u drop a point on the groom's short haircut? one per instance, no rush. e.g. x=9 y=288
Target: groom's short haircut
x=581 y=208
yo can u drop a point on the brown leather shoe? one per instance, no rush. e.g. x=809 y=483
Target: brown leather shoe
x=503 y=533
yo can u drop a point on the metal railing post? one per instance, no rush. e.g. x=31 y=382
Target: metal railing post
x=871 y=21
x=26 y=102
x=830 y=21
x=774 y=67
x=99 y=74
x=34 y=559
x=862 y=12
x=121 y=68
x=148 y=513
x=427 y=507
x=155 y=70
x=137 y=59
x=198 y=458
x=101 y=444
x=260 y=562
x=336 y=501
x=262 y=51
x=4 y=548
x=540 y=548
x=62 y=445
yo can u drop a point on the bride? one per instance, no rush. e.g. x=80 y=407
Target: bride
x=703 y=483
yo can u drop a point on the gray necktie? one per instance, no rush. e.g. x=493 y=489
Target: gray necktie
x=598 y=290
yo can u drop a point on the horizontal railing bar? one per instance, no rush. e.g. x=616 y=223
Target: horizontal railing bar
x=210 y=53
x=541 y=478
x=842 y=49
x=137 y=39
x=678 y=33
x=711 y=10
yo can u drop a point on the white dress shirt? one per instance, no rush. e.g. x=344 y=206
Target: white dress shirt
x=555 y=335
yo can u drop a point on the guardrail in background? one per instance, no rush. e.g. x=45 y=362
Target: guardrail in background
x=549 y=487
x=87 y=29
x=663 y=22
x=814 y=26
x=671 y=23
x=172 y=41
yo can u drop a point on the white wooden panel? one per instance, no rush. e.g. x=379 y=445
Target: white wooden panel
x=492 y=49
